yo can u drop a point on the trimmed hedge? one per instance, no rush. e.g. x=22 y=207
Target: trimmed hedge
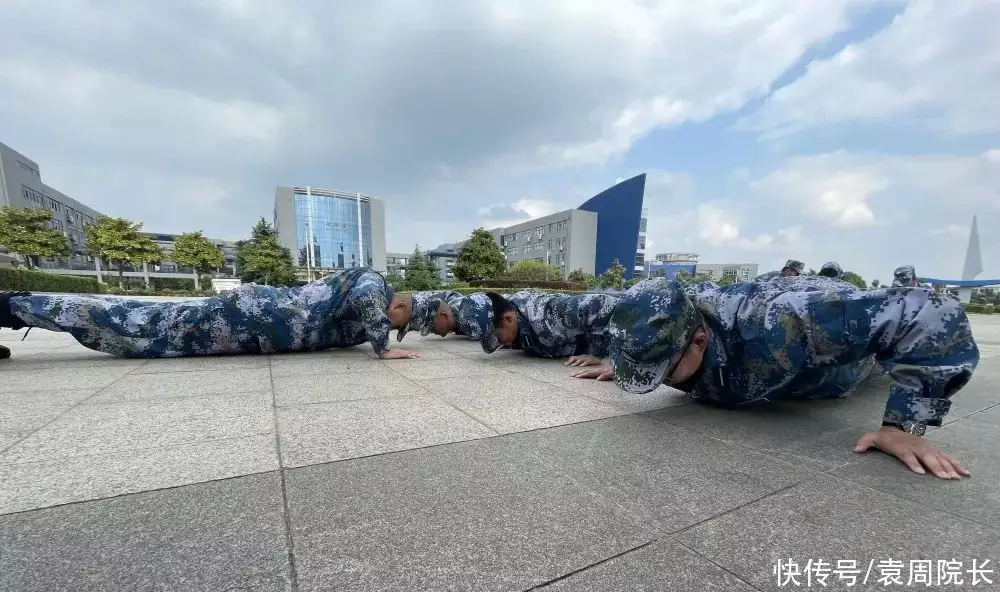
x=979 y=308
x=526 y=284
x=467 y=291
x=12 y=278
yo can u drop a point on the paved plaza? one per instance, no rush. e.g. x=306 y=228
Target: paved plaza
x=335 y=471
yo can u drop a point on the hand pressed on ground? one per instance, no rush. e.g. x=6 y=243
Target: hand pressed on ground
x=398 y=354
x=586 y=360
x=601 y=373
x=914 y=452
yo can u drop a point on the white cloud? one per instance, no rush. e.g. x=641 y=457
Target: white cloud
x=251 y=94
x=935 y=66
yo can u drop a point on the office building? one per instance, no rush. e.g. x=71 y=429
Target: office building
x=168 y=266
x=567 y=240
x=330 y=230
x=21 y=186
x=669 y=264
x=395 y=263
x=607 y=227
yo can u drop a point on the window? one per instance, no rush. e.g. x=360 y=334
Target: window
x=559 y=225
x=538 y=232
x=550 y=228
x=527 y=249
x=32 y=195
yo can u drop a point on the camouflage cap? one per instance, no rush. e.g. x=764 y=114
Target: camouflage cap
x=651 y=323
x=423 y=307
x=474 y=319
x=798 y=266
x=831 y=269
x=905 y=274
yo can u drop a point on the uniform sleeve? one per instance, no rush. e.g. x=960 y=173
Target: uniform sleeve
x=922 y=339
x=590 y=314
x=369 y=300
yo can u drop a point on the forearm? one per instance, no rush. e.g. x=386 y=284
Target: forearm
x=929 y=352
x=371 y=305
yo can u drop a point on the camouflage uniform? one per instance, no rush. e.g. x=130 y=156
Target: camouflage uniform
x=831 y=269
x=904 y=276
x=793 y=264
x=767 y=341
x=423 y=307
x=474 y=319
x=557 y=325
x=344 y=309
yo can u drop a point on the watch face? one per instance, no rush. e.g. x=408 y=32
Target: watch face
x=914 y=427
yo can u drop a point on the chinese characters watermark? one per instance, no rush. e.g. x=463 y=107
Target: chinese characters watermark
x=821 y=573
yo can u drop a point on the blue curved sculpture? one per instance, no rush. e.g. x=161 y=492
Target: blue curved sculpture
x=619 y=211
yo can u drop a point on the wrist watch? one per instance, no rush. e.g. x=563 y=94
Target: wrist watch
x=914 y=428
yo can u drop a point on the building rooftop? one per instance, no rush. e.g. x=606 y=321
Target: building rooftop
x=459 y=471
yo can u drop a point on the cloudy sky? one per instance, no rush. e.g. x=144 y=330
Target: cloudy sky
x=862 y=131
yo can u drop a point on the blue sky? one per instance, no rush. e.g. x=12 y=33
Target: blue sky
x=862 y=132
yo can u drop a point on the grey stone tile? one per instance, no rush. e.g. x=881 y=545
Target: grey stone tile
x=510 y=403
x=40 y=484
x=212 y=537
x=981 y=392
x=327 y=432
x=820 y=434
x=57 y=378
x=608 y=392
x=27 y=411
x=426 y=353
x=669 y=476
x=437 y=369
x=482 y=515
x=973 y=443
x=9 y=438
x=68 y=357
x=175 y=385
x=832 y=520
x=663 y=566
x=101 y=429
x=204 y=363
x=311 y=388
x=333 y=362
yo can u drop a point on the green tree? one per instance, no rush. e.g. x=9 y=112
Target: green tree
x=530 y=270
x=614 y=276
x=193 y=250
x=262 y=259
x=26 y=233
x=876 y=284
x=696 y=278
x=421 y=273
x=480 y=259
x=857 y=280
x=579 y=276
x=397 y=282
x=120 y=241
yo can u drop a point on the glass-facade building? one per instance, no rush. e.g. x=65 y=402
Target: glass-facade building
x=330 y=230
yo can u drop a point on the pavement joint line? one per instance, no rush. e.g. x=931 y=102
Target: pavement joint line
x=446 y=402
x=336 y=401
x=738 y=508
x=127 y=450
x=60 y=415
x=592 y=565
x=170 y=398
x=713 y=562
x=133 y=493
x=285 y=512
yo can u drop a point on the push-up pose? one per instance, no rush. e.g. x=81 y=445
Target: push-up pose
x=342 y=310
x=550 y=325
x=800 y=338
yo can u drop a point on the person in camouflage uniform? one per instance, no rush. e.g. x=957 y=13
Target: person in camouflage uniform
x=831 y=269
x=905 y=276
x=344 y=309
x=755 y=342
x=552 y=325
x=438 y=319
x=792 y=268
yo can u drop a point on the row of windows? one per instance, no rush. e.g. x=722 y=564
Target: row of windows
x=28 y=168
x=38 y=198
x=537 y=233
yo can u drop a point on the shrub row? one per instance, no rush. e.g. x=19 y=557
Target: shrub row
x=979 y=308
x=12 y=278
x=524 y=284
